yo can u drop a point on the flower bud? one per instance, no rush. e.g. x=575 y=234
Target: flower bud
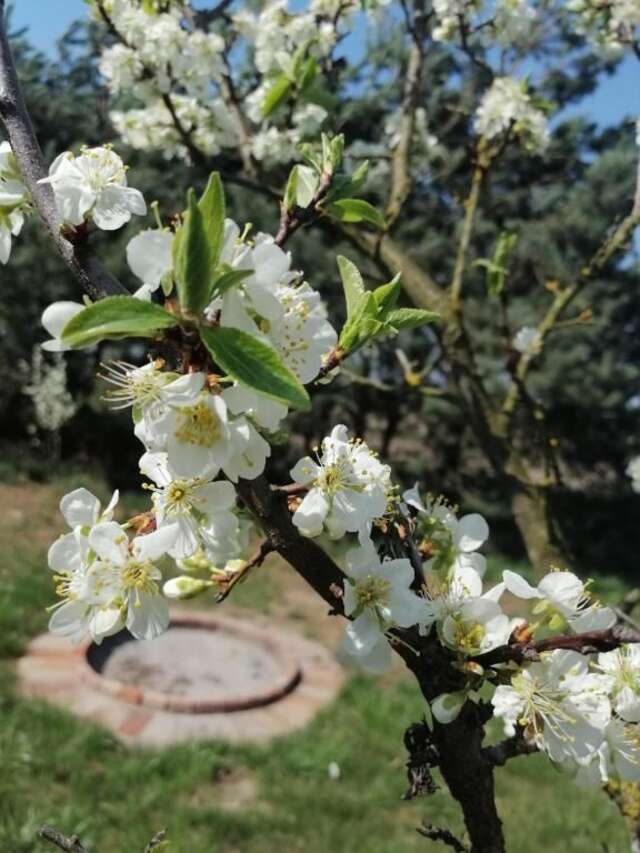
x=184 y=587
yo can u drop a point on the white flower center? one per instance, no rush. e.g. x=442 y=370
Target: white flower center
x=198 y=425
x=372 y=591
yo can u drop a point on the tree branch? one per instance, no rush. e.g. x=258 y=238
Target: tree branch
x=471 y=206
x=401 y=157
x=71 y=843
x=236 y=577
x=564 y=297
x=585 y=644
x=95 y=280
x=512 y=747
x=437 y=833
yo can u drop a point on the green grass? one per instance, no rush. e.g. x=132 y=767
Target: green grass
x=56 y=769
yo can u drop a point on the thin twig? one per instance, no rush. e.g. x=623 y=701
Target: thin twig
x=69 y=843
x=438 y=833
x=585 y=643
x=157 y=839
x=258 y=558
x=564 y=297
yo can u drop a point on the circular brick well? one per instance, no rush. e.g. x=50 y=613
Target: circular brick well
x=209 y=676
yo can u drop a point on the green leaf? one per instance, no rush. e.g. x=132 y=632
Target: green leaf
x=193 y=267
x=386 y=295
x=301 y=188
x=228 y=278
x=305 y=73
x=255 y=365
x=116 y=317
x=212 y=207
x=276 y=95
x=410 y=318
x=497 y=268
x=356 y=210
x=355 y=331
x=352 y=283
x=315 y=93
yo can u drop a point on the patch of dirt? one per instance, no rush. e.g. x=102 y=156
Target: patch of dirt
x=30 y=507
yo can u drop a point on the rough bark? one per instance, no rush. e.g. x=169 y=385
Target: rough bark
x=531 y=514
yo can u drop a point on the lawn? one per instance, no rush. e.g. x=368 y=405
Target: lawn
x=213 y=798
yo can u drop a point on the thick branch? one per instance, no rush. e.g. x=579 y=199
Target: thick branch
x=95 y=280
x=306 y=557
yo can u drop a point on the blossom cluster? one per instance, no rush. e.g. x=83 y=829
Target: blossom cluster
x=201 y=432
x=507 y=106
x=611 y=26
x=178 y=70
x=509 y=22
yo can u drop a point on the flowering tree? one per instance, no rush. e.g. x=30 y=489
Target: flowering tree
x=237 y=338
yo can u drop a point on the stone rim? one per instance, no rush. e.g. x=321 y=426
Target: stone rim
x=286 y=681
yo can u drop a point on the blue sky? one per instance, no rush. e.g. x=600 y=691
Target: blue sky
x=617 y=97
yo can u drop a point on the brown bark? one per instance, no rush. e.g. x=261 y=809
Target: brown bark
x=531 y=514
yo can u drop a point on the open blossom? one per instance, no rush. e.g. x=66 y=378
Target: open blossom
x=622 y=668
x=477 y=626
x=452 y=543
x=617 y=758
x=194 y=429
x=81 y=510
x=271 y=304
x=94 y=185
x=348 y=487
x=195 y=437
x=377 y=596
x=505 y=105
x=150 y=259
x=562 y=707
x=149 y=390
x=104 y=581
x=14 y=200
x=202 y=510
x=563 y=601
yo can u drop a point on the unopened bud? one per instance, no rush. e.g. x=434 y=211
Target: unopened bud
x=185 y=587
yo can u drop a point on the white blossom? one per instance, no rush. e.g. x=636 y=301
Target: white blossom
x=94 y=185
x=477 y=626
x=150 y=259
x=562 y=707
x=201 y=509
x=348 y=487
x=564 y=601
x=14 y=200
x=506 y=105
x=377 y=596
x=527 y=340
x=622 y=668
